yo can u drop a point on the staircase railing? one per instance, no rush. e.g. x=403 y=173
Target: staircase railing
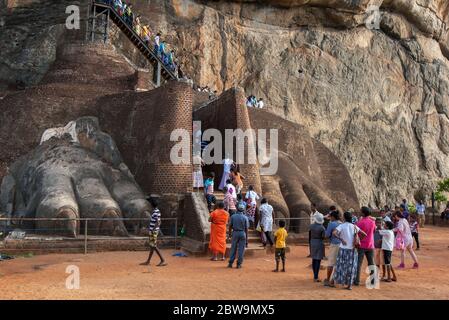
x=160 y=67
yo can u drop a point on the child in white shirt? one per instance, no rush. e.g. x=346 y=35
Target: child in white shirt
x=387 y=249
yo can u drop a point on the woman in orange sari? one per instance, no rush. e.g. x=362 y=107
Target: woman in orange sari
x=219 y=220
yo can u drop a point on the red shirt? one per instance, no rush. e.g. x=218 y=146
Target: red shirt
x=368 y=226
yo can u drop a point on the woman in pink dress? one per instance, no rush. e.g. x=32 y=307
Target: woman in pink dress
x=404 y=239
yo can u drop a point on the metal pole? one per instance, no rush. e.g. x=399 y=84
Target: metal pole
x=106 y=31
x=176 y=233
x=94 y=18
x=158 y=74
x=85 y=237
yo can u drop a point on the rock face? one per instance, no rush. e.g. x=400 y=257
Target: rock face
x=377 y=98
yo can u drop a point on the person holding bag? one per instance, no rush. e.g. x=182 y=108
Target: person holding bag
x=346 y=266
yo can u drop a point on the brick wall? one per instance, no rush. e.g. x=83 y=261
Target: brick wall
x=141 y=124
x=229 y=112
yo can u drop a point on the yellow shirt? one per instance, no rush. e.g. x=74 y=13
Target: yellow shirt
x=281 y=235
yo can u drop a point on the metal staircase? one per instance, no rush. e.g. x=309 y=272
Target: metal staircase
x=100 y=12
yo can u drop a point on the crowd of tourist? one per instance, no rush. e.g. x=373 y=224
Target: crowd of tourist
x=155 y=42
x=253 y=102
x=212 y=93
x=352 y=238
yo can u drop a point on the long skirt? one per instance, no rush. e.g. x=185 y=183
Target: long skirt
x=346 y=267
x=251 y=213
x=217 y=243
x=223 y=180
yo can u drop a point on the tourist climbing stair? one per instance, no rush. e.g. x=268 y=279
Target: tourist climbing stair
x=99 y=8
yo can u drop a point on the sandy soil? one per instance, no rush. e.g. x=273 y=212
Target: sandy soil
x=119 y=276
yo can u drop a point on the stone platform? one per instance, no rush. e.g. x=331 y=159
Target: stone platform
x=39 y=244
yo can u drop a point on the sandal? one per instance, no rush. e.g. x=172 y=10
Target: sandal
x=162 y=264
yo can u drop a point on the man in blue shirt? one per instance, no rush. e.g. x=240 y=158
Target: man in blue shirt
x=238 y=229
x=421 y=211
x=334 y=246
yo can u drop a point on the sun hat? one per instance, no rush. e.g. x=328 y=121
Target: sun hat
x=318 y=218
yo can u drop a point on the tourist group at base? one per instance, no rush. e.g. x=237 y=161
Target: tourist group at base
x=351 y=238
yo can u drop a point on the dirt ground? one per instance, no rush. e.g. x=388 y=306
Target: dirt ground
x=118 y=275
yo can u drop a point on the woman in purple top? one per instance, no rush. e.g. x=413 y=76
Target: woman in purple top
x=367 y=225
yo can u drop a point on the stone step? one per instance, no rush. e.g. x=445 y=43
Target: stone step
x=251 y=239
x=255 y=249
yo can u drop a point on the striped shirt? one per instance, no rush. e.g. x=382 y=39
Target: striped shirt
x=155 y=220
x=229 y=202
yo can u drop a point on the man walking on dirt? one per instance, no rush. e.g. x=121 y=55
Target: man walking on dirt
x=154 y=228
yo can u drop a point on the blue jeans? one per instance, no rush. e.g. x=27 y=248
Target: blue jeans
x=238 y=241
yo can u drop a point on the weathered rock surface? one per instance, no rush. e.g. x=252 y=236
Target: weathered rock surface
x=377 y=98
x=76 y=175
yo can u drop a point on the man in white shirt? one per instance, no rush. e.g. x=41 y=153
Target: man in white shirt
x=260 y=104
x=421 y=211
x=266 y=221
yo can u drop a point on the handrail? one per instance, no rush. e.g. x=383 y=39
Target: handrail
x=111 y=9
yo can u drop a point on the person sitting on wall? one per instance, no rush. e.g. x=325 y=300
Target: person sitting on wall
x=260 y=104
x=209 y=190
x=249 y=102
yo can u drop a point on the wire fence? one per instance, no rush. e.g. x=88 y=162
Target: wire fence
x=82 y=234
x=293 y=225
x=54 y=235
